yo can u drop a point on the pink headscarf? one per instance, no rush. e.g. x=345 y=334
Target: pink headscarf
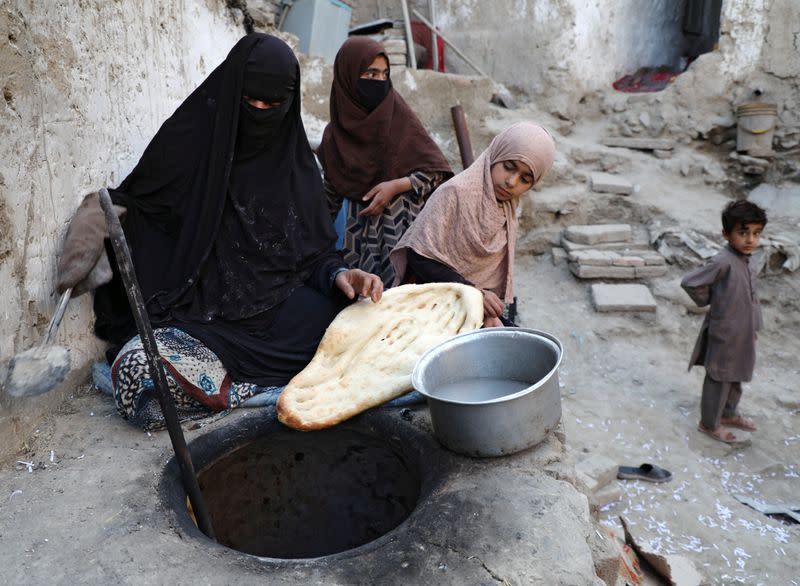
x=464 y=226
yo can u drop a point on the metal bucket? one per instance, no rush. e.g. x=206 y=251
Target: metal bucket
x=477 y=419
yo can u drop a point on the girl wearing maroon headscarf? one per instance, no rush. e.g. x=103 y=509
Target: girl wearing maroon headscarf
x=378 y=160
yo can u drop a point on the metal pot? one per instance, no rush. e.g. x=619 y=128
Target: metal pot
x=469 y=383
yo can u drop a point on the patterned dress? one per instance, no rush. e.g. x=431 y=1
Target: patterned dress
x=196 y=378
x=368 y=240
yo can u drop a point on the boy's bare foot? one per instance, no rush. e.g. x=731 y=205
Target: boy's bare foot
x=739 y=422
x=721 y=434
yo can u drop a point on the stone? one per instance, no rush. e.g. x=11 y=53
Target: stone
x=559 y=255
x=625 y=297
x=647 y=272
x=662 y=154
x=628 y=261
x=643 y=144
x=599 y=467
x=594 y=233
x=598 y=258
x=608 y=183
x=592 y=272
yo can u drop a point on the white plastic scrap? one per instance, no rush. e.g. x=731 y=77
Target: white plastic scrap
x=28 y=465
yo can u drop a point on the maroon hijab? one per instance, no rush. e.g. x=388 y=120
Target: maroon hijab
x=360 y=148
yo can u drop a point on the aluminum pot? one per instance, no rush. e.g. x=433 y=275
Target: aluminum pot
x=464 y=381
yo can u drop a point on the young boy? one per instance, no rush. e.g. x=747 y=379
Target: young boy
x=726 y=344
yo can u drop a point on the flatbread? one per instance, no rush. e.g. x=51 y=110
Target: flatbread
x=368 y=352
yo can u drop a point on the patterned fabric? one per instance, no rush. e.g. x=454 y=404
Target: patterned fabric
x=368 y=240
x=197 y=380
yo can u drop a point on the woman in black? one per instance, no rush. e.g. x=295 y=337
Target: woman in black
x=231 y=239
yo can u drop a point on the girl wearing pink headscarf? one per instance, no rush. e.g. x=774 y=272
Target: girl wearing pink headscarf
x=467 y=231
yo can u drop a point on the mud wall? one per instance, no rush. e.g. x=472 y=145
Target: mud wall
x=85 y=85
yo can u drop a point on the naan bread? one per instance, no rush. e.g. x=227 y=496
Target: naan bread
x=368 y=352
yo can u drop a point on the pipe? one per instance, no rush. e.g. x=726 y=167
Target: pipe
x=285 y=6
x=412 y=56
x=462 y=135
x=455 y=49
x=182 y=455
x=434 y=38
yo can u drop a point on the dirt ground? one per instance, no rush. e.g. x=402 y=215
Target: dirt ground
x=626 y=394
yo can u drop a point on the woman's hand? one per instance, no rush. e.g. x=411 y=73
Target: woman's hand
x=493 y=306
x=357 y=282
x=492 y=322
x=382 y=195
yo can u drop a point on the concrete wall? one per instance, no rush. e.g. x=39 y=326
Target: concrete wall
x=86 y=83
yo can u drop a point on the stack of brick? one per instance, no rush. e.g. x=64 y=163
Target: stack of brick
x=396 y=51
x=606 y=251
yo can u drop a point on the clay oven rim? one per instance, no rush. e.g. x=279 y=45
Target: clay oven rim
x=421 y=450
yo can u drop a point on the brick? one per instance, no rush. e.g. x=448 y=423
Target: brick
x=633 y=248
x=650 y=271
x=643 y=144
x=586 y=483
x=394 y=45
x=608 y=183
x=559 y=255
x=606 y=495
x=598 y=258
x=653 y=259
x=599 y=467
x=623 y=297
x=628 y=261
x=594 y=233
x=590 y=272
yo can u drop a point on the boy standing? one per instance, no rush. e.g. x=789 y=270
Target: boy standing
x=726 y=344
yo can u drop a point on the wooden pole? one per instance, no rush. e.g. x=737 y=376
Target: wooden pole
x=412 y=56
x=182 y=455
x=455 y=49
x=462 y=135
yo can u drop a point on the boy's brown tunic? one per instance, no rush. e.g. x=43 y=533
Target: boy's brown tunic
x=726 y=344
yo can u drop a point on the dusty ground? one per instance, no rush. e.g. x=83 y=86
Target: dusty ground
x=626 y=394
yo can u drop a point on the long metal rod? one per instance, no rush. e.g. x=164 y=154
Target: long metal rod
x=57 y=316
x=434 y=39
x=182 y=455
x=462 y=135
x=455 y=49
x=412 y=56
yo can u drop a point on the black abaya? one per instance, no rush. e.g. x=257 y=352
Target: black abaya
x=228 y=225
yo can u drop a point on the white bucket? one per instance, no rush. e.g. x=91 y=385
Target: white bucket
x=755 y=127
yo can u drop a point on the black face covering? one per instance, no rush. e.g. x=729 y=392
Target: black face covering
x=258 y=127
x=371 y=92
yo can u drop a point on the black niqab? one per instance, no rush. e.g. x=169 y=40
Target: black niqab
x=218 y=233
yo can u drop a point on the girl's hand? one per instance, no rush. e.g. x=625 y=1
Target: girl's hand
x=493 y=306
x=356 y=281
x=382 y=195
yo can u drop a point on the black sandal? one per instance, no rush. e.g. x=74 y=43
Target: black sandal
x=647 y=472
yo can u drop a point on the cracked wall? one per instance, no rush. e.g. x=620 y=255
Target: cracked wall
x=86 y=83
